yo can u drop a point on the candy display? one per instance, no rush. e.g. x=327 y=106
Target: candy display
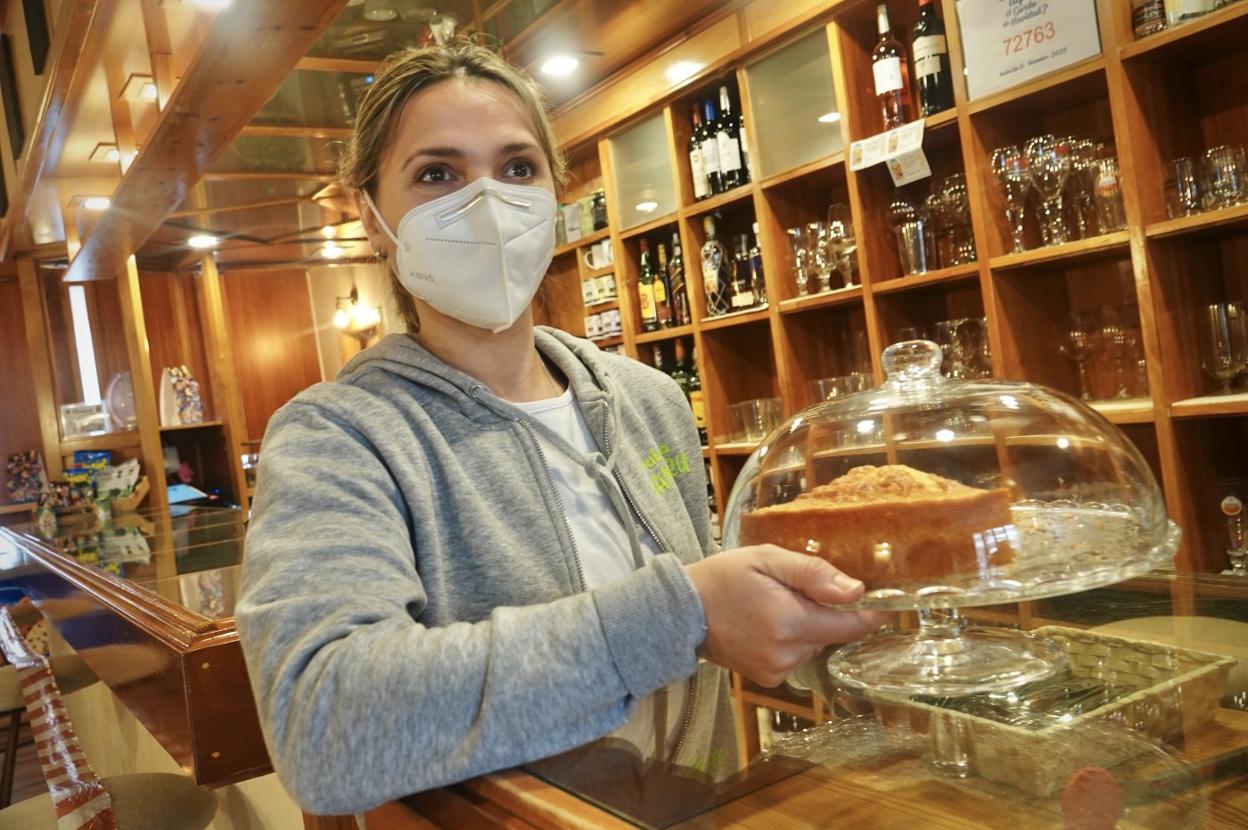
x=26 y=476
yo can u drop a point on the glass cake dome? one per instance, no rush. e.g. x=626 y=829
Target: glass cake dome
x=942 y=494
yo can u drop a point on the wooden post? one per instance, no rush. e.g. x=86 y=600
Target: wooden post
x=137 y=350
x=41 y=364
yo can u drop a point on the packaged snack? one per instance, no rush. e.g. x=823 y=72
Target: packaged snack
x=92 y=459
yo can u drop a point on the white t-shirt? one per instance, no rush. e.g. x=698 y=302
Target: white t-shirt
x=602 y=538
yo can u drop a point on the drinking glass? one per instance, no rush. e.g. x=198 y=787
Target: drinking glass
x=983 y=350
x=1183 y=187
x=1116 y=333
x=1224 y=345
x=909 y=227
x=1048 y=166
x=1224 y=177
x=936 y=233
x=1079 y=345
x=823 y=253
x=801 y=261
x=947 y=335
x=1009 y=165
x=1110 y=214
x=1082 y=185
x=755 y=419
x=958 y=208
x=840 y=225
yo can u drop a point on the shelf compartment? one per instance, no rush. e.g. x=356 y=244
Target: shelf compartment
x=663 y=334
x=10 y=509
x=822 y=342
x=735 y=447
x=817 y=166
x=825 y=299
x=649 y=227
x=1212 y=222
x=185 y=427
x=1210 y=406
x=1128 y=411
x=1083 y=251
x=941 y=275
x=1217 y=33
x=125 y=440
x=744 y=317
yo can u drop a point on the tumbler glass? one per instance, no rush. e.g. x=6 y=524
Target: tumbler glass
x=1224 y=176
x=1183 y=187
x=1108 y=196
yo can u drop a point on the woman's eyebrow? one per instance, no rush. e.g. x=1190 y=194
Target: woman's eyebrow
x=436 y=152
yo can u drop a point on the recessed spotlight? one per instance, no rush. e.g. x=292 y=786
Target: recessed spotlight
x=96 y=203
x=106 y=152
x=647 y=206
x=683 y=70
x=830 y=117
x=139 y=87
x=560 y=66
x=379 y=11
x=203 y=240
x=329 y=231
x=331 y=251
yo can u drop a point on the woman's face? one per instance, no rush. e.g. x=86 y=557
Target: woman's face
x=449 y=135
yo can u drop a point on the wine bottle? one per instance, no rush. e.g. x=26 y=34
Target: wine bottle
x=696 y=400
x=716 y=278
x=727 y=134
x=658 y=360
x=756 y=270
x=742 y=287
x=697 y=166
x=676 y=278
x=645 y=291
x=663 y=290
x=932 y=76
x=710 y=150
x=680 y=374
x=892 y=75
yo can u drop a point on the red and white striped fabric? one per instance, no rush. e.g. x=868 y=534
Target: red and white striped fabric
x=80 y=799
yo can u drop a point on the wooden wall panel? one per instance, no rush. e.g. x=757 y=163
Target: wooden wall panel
x=175 y=330
x=19 y=419
x=274 y=343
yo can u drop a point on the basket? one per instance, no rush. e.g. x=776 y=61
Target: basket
x=127 y=504
x=1176 y=690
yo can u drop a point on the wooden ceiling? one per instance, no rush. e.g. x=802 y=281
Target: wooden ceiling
x=237 y=132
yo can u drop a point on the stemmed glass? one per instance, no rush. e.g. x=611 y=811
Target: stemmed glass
x=1078 y=345
x=1084 y=158
x=1224 y=345
x=823 y=252
x=843 y=243
x=1048 y=165
x=958 y=206
x=1009 y=165
x=801 y=263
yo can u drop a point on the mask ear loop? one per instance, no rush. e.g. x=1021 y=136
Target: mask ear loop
x=381 y=220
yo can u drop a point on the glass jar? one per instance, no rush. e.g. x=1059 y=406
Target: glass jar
x=599 y=207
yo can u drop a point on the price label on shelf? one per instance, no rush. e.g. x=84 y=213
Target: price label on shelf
x=901 y=149
x=1007 y=42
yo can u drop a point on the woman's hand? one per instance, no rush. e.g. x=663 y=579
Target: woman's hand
x=767 y=610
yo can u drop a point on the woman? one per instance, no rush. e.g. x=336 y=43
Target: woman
x=460 y=558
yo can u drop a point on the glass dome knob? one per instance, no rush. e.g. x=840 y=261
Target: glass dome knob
x=913 y=361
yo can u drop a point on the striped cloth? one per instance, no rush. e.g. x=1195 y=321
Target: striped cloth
x=78 y=795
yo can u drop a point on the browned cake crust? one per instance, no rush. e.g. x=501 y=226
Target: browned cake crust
x=890 y=526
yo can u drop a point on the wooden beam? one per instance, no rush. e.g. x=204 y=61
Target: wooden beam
x=77 y=20
x=208 y=108
x=195 y=212
x=40 y=364
x=265 y=176
x=294 y=131
x=359 y=66
x=134 y=328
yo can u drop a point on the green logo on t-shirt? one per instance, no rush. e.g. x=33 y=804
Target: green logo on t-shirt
x=664 y=466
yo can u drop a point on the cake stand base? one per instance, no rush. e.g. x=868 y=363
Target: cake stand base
x=945 y=659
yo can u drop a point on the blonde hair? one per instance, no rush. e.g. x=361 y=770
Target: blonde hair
x=406 y=73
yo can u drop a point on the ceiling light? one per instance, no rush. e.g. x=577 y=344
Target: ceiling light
x=329 y=231
x=331 y=251
x=106 y=152
x=139 y=88
x=829 y=117
x=647 y=206
x=207 y=5
x=560 y=66
x=95 y=203
x=683 y=70
x=203 y=240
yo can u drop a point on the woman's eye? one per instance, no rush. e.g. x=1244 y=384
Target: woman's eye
x=433 y=175
x=520 y=169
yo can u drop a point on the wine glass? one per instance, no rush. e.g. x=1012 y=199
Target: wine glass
x=1048 y=166
x=823 y=252
x=1082 y=183
x=1009 y=165
x=1117 y=334
x=840 y=228
x=958 y=206
x=1224 y=346
x=1079 y=345
x=801 y=264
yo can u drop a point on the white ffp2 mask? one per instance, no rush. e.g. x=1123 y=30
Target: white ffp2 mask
x=477 y=254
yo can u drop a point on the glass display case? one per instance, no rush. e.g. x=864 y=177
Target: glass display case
x=644 y=186
x=796 y=116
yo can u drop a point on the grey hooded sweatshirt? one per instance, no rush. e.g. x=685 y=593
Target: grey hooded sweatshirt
x=412 y=610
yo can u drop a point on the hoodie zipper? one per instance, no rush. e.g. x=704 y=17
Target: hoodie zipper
x=563 y=512
x=685 y=721
x=628 y=497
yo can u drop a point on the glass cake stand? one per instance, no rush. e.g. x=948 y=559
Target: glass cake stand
x=963 y=493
